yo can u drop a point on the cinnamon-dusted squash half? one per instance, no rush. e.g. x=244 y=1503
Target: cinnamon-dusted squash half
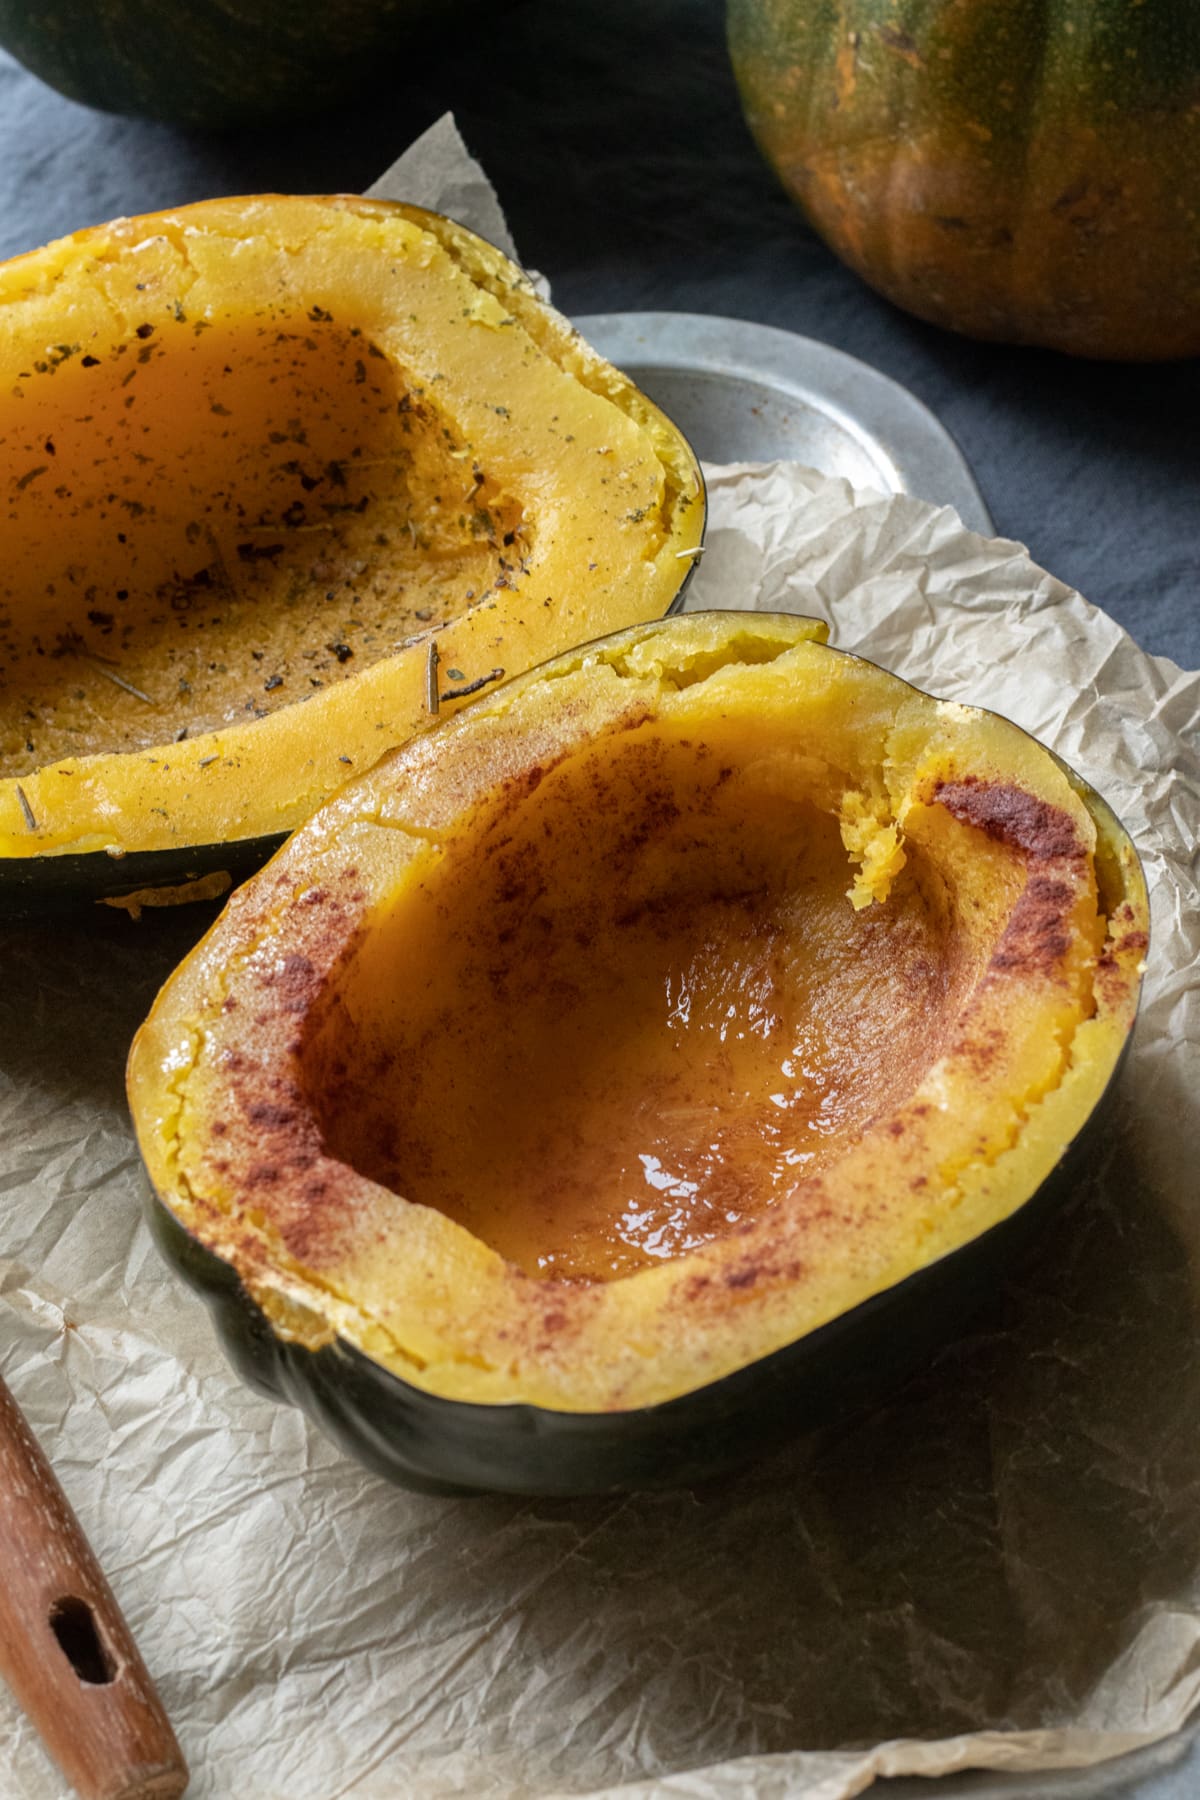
x=256 y=456
x=651 y=1057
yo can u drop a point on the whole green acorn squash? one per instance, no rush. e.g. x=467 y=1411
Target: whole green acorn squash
x=214 y=63
x=1024 y=170
x=647 y=1061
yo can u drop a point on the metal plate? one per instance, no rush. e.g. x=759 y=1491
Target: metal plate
x=751 y=393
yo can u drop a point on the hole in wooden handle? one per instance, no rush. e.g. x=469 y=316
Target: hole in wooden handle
x=74 y=1625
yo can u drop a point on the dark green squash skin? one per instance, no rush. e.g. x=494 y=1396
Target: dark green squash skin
x=1021 y=170
x=212 y=63
x=438 y=1446
x=34 y=888
x=451 y=1447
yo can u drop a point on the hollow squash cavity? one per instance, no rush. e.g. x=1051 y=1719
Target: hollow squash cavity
x=634 y=1016
x=317 y=514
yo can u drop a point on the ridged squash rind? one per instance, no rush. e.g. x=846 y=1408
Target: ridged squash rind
x=1025 y=173
x=210 y=66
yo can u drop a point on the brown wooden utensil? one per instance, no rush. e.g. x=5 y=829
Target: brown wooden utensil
x=65 y=1650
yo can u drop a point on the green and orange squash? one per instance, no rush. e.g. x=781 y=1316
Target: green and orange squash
x=1023 y=170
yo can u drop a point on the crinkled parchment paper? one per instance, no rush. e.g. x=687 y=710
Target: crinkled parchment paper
x=1000 y=1567
x=439 y=171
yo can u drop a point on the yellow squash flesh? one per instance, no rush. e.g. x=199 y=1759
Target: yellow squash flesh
x=255 y=456
x=651 y=1014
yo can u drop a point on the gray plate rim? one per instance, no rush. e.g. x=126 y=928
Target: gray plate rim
x=906 y=442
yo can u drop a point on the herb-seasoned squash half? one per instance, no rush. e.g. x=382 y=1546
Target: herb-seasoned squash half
x=265 y=451
x=649 y=1057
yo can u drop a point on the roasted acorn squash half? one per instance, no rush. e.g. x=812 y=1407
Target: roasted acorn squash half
x=648 y=1059
x=256 y=456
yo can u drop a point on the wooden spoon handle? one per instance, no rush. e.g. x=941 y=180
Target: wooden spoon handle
x=65 y=1650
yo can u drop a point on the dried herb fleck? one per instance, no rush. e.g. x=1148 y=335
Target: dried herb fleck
x=102 y=667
